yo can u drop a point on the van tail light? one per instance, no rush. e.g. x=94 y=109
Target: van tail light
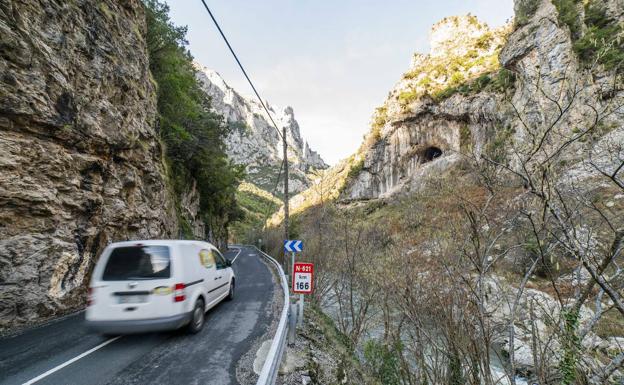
x=90 y=297
x=179 y=294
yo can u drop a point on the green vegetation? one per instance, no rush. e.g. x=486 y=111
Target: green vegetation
x=497 y=148
x=474 y=69
x=380 y=117
x=383 y=362
x=320 y=334
x=193 y=137
x=355 y=170
x=602 y=41
x=240 y=127
x=257 y=204
x=498 y=81
x=571 y=346
x=569 y=15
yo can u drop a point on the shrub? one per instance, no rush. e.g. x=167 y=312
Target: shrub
x=569 y=15
x=406 y=97
x=603 y=40
x=500 y=81
x=504 y=80
x=525 y=10
x=193 y=136
x=380 y=117
x=383 y=362
x=355 y=170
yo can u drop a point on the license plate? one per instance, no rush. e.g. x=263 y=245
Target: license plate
x=132 y=298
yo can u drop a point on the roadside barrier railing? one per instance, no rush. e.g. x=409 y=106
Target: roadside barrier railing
x=274 y=357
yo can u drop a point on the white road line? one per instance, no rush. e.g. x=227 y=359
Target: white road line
x=237 y=254
x=66 y=363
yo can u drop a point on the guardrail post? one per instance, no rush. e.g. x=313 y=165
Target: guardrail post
x=300 y=316
x=292 y=322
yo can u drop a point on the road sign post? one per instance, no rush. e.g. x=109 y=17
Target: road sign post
x=292 y=263
x=296 y=246
x=300 y=318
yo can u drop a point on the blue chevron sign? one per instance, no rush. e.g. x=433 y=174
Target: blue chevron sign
x=294 y=246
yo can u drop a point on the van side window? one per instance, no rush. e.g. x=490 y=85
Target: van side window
x=220 y=260
x=207 y=258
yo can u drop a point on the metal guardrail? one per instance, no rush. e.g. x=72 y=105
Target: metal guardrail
x=274 y=357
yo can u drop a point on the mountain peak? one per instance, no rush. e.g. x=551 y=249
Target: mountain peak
x=253 y=141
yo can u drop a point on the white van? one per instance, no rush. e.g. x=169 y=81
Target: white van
x=142 y=286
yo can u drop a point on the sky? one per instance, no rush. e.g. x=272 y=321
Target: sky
x=333 y=61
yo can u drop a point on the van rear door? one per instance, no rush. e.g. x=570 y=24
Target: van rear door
x=135 y=282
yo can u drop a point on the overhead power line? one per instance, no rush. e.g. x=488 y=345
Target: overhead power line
x=242 y=69
x=282 y=136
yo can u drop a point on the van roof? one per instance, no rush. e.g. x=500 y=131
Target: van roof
x=160 y=242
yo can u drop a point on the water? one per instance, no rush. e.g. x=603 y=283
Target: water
x=376 y=331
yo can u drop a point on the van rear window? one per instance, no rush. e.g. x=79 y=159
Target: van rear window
x=138 y=262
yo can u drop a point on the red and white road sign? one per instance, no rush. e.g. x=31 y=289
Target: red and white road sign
x=303 y=274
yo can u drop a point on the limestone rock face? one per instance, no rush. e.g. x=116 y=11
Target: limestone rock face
x=416 y=122
x=418 y=135
x=254 y=142
x=80 y=163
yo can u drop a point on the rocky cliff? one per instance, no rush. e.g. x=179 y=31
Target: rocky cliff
x=531 y=114
x=478 y=84
x=419 y=129
x=254 y=142
x=80 y=161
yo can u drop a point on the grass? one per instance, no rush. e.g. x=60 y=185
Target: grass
x=444 y=76
x=498 y=81
x=380 y=117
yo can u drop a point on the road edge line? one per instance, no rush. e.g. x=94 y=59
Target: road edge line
x=69 y=362
x=237 y=254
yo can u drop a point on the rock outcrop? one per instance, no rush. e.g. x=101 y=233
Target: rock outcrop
x=545 y=100
x=458 y=98
x=80 y=161
x=419 y=129
x=254 y=142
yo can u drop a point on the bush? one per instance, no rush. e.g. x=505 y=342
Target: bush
x=380 y=118
x=383 y=362
x=525 y=10
x=355 y=170
x=569 y=15
x=603 y=40
x=193 y=136
x=499 y=82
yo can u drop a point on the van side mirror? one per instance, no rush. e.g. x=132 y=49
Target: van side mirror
x=228 y=263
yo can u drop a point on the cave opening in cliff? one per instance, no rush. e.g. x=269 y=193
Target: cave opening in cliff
x=431 y=153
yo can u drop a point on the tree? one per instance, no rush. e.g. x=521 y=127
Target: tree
x=193 y=135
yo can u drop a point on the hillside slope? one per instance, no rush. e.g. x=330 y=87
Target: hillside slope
x=488 y=198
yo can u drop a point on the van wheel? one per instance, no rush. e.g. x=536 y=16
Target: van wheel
x=231 y=293
x=197 y=317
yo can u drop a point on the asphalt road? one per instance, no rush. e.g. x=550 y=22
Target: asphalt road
x=209 y=357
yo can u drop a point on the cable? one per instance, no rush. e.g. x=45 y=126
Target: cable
x=240 y=65
x=242 y=69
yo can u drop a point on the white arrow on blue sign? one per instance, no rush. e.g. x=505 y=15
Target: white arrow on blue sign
x=294 y=245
